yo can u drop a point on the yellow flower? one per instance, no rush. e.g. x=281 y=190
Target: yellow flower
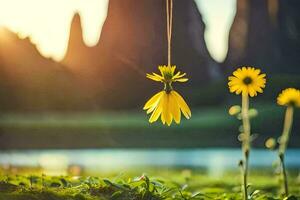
x=169 y=106
x=289 y=97
x=168 y=103
x=248 y=81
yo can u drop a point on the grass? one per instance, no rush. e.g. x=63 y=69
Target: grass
x=116 y=120
x=170 y=184
x=205 y=118
x=131 y=129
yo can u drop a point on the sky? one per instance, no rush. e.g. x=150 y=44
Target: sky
x=47 y=22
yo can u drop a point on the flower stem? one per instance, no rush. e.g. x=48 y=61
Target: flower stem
x=246 y=142
x=288 y=121
x=284 y=175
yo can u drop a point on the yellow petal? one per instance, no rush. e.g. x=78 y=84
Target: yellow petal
x=183 y=106
x=150 y=110
x=251 y=91
x=166 y=114
x=155 y=115
x=158 y=110
x=179 y=75
x=175 y=108
x=181 y=80
x=153 y=100
x=162 y=69
x=155 y=77
x=173 y=69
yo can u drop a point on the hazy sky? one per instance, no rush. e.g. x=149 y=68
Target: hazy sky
x=47 y=22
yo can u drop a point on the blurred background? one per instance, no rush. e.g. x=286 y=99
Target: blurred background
x=72 y=79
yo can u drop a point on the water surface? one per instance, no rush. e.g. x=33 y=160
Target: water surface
x=124 y=158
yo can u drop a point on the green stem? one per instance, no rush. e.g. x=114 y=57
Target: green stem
x=246 y=142
x=245 y=182
x=246 y=123
x=288 y=121
x=284 y=176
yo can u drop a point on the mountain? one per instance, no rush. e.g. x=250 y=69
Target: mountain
x=133 y=44
x=289 y=35
x=80 y=59
x=28 y=80
x=111 y=74
x=265 y=34
x=252 y=41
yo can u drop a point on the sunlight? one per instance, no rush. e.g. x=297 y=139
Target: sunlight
x=47 y=23
x=218 y=16
x=55 y=165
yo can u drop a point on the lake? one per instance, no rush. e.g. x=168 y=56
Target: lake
x=121 y=159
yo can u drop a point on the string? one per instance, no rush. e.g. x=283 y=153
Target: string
x=169 y=8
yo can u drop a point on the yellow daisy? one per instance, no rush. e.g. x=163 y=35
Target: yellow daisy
x=248 y=81
x=289 y=97
x=168 y=103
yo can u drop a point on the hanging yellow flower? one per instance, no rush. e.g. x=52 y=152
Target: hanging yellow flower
x=248 y=81
x=289 y=97
x=168 y=103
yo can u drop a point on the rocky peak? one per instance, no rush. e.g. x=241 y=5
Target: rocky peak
x=264 y=34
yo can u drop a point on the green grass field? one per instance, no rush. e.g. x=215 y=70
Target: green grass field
x=180 y=184
x=208 y=127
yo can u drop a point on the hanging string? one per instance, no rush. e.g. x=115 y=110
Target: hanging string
x=169 y=7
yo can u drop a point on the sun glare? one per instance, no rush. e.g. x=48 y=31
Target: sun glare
x=218 y=16
x=47 y=23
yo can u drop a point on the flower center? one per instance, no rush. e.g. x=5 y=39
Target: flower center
x=168 y=76
x=247 y=80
